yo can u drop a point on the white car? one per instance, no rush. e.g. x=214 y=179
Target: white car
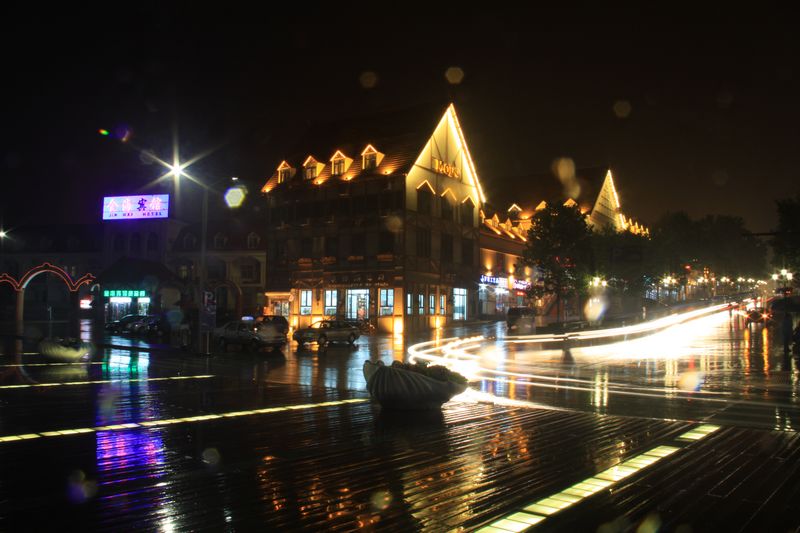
x=327 y=331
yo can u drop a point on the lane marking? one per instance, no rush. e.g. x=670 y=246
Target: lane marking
x=540 y=510
x=99 y=381
x=170 y=421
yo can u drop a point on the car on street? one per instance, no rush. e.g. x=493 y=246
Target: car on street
x=758 y=315
x=249 y=334
x=326 y=331
x=123 y=324
x=521 y=319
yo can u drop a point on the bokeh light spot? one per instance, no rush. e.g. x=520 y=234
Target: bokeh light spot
x=368 y=79
x=234 y=197
x=622 y=108
x=454 y=75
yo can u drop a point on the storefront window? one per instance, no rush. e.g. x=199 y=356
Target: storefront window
x=409 y=305
x=442 y=304
x=459 y=304
x=421 y=304
x=331 y=298
x=305 y=302
x=386 y=302
x=431 y=304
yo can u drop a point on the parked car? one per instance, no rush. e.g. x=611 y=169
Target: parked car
x=139 y=327
x=123 y=324
x=273 y=329
x=521 y=319
x=326 y=331
x=248 y=334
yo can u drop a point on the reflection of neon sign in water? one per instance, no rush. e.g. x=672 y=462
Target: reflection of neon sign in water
x=133 y=207
x=123 y=449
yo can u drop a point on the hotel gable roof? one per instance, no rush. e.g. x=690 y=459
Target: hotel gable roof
x=397 y=137
x=515 y=208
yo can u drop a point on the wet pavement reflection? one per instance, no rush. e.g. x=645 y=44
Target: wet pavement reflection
x=167 y=440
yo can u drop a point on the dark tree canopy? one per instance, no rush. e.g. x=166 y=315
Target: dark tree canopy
x=559 y=246
x=786 y=244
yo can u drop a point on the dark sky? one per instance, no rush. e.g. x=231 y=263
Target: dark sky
x=712 y=122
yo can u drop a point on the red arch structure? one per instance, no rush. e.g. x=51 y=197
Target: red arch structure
x=20 y=285
x=72 y=285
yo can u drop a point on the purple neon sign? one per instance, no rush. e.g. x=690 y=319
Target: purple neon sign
x=133 y=207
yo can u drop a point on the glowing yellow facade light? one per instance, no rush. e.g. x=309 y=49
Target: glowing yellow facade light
x=453 y=119
x=426 y=183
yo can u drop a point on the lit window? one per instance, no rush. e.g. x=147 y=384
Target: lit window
x=284 y=174
x=311 y=172
x=331 y=300
x=305 y=302
x=459 y=304
x=442 y=304
x=431 y=304
x=370 y=161
x=386 y=302
x=338 y=166
x=409 y=305
x=421 y=304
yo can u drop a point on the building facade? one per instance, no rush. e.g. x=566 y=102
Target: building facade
x=377 y=224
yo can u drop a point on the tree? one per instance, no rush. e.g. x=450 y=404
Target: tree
x=559 y=247
x=786 y=244
x=720 y=243
x=624 y=259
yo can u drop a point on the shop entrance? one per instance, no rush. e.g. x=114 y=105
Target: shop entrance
x=357 y=304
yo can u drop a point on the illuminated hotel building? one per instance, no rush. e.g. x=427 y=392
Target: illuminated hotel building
x=376 y=219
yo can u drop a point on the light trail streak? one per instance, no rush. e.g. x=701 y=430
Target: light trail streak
x=664 y=338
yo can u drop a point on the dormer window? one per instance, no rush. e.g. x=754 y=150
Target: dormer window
x=340 y=164
x=311 y=168
x=220 y=240
x=253 y=240
x=371 y=158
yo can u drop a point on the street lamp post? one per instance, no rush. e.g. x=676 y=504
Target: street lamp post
x=232 y=200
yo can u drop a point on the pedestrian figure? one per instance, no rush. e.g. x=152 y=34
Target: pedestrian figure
x=786 y=328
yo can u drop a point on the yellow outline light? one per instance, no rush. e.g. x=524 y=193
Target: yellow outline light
x=426 y=182
x=451 y=112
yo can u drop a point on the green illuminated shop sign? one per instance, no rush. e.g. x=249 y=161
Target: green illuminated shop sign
x=130 y=294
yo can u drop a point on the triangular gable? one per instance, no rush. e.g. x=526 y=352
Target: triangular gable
x=446 y=154
x=607 y=208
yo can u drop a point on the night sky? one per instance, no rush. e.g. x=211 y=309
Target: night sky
x=694 y=111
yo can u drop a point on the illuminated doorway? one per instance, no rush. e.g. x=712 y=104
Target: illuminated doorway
x=357 y=304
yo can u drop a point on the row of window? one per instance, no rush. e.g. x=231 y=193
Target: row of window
x=426 y=204
x=135 y=243
x=311 y=167
x=357 y=303
x=331 y=246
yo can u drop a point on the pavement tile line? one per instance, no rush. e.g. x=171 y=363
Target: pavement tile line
x=170 y=421
x=101 y=381
x=540 y=510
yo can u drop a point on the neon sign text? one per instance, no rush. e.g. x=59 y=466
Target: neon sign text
x=134 y=207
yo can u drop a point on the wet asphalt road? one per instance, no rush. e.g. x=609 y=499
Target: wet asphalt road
x=241 y=440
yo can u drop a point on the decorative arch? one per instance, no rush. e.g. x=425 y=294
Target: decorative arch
x=22 y=283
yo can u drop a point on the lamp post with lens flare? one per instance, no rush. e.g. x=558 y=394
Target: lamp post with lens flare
x=234 y=197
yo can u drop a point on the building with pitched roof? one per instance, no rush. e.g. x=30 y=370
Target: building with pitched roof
x=378 y=219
